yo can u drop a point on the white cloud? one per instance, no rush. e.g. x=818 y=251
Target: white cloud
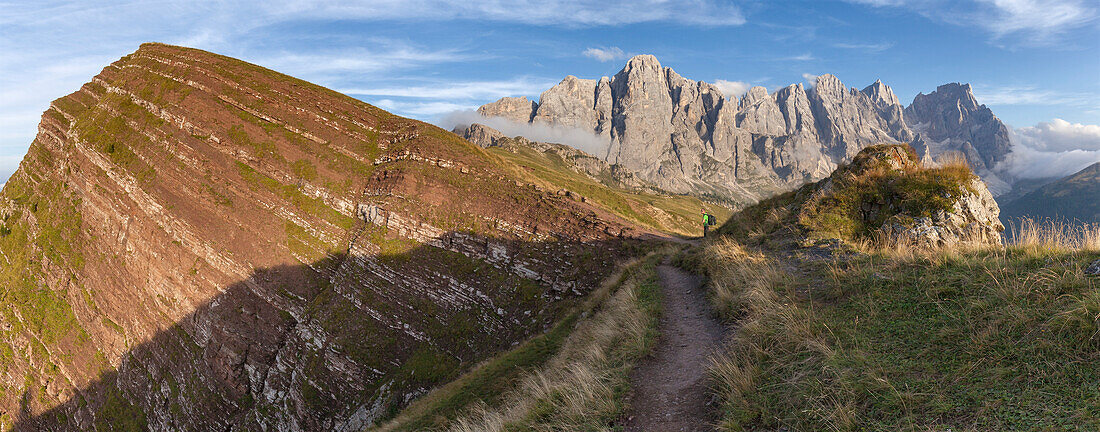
x=869 y=47
x=421 y=108
x=459 y=90
x=1036 y=22
x=810 y=78
x=1052 y=149
x=384 y=56
x=1032 y=95
x=732 y=89
x=577 y=138
x=800 y=57
x=605 y=54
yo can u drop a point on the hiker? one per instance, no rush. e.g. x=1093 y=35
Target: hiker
x=708 y=220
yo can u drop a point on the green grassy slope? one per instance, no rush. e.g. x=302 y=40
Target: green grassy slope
x=985 y=341
x=678 y=214
x=1076 y=197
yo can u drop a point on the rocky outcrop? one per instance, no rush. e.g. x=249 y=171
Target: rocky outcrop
x=684 y=136
x=888 y=193
x=973 y=219
x=197 y=243
x=1093 y=269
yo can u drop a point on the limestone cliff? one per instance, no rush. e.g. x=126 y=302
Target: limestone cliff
x=197 y=243
x=685 y=136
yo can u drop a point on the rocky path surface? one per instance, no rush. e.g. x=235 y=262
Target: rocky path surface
x=669 y=387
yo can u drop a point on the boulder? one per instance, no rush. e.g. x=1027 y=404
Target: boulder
x=1093 y=269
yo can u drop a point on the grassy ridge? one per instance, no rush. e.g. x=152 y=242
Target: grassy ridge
x=948 y=340
x=677 y=214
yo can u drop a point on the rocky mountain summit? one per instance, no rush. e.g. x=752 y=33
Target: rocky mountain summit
x=197 y=243
x=686 y=136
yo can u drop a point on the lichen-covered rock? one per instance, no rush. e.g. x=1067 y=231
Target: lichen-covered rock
x=974 y=219
x=887 y=192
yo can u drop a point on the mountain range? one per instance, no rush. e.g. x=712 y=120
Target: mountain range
x=685 y=136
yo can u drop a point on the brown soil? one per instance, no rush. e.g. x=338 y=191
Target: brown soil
x=670 y=387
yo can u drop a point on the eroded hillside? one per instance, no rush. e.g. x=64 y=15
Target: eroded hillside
x=198 y=243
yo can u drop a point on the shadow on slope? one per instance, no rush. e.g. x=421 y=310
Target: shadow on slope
x=334 y=344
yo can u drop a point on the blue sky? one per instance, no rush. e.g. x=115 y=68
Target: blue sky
x=1036 y=63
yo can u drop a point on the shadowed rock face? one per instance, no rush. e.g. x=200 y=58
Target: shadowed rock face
x=198 y=243
x=684 y=136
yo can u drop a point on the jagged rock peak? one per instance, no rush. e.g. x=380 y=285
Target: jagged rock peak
x=881 y=94
x=517 y=109
x=828 y=84
x=647 y=61
x=755 y=94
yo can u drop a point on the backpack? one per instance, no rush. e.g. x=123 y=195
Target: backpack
x=710 y=220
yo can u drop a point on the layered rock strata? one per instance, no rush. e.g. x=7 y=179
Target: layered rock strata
x=197 y=243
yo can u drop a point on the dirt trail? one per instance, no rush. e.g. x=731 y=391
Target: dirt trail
x=669 y=387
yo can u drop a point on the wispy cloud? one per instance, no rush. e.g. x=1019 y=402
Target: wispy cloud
x=1035 y=22
x=605 y=54
x=869 y=47
x=459 y=90
x=1031 y=95
x=421 y=108
x=800 y=57
x=584 y=140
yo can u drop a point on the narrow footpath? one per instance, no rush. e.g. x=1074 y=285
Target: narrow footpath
x=670 y=387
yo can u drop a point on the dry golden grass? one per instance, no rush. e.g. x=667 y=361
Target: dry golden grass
x=581 y=385
x=1056 y=235
x=577 y=389
x=833 y=345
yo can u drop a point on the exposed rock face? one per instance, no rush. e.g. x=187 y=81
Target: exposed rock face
x=1093 y=269
x=517 y=109
x=973 y=219
x=684 y=136
x=197 y=243
x=950 y=119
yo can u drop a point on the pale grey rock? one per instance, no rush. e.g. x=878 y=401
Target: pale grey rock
x=974 y=220
x=641 y=129
x=758 y=113
x=1093 y=269
x=684 y=137
x=847 y=119
x=517 y=109
x=952 y=118
x=479 y=134
x=570 y=103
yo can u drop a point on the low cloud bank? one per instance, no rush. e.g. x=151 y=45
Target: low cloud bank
x=577 y=138
x=1052 y=149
